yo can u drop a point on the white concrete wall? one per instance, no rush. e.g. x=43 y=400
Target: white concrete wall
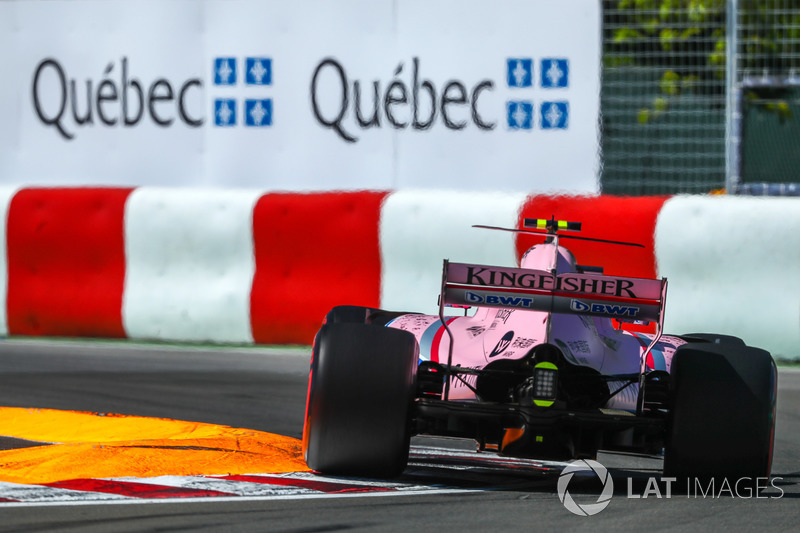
x=419 y=229
x=6 y=194
x=190 y=264
x=733 y=265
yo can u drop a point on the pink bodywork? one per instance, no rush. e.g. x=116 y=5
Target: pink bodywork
x=491 y=334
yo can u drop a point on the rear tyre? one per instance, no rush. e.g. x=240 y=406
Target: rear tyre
x=349 y=314
x=360 y=392
x=714 y=338
x=722 y=415
x=360 y=315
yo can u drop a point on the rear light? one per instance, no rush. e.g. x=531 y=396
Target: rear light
x=545 y=384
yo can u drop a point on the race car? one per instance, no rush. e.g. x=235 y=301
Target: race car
x=534 y=361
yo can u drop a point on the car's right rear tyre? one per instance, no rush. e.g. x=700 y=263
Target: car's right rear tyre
x=714 y=338
x=361 y=388
x=722 y=414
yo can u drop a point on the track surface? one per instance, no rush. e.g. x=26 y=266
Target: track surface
x=264 y=389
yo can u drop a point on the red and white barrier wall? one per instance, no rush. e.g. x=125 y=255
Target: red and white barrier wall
x=253 y=266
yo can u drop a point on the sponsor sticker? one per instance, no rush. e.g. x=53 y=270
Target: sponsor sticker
x=502 y=345
x=603 y=309
x=494 y=299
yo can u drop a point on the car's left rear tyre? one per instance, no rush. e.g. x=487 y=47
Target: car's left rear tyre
x=721 y=422
x=360 y=393
x=348 y=314
x=360 y=315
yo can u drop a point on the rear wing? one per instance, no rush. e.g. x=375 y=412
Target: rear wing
x=623 y=298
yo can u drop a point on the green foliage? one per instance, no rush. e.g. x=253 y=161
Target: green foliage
x=685 y=42
x=771 y=100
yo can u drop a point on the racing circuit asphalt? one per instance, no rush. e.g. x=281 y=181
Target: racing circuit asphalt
x=265 y=388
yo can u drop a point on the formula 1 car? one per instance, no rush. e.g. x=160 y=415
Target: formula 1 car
x=541 y=369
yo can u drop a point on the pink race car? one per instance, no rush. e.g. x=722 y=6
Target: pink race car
x=537 y=369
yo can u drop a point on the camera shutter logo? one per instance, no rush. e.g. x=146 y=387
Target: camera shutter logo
x=590 y=508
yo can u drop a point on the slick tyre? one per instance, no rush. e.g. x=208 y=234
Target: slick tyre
x=722 y=414
x=360 y=393
x=714 y=338
x=348 y=314
x=360 y=315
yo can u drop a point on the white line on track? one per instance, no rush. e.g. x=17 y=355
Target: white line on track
x=125 y=500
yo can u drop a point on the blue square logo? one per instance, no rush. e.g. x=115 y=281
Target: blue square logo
x=258 y=71
x=258 y=113
x=555 y=73
x=519 y=72
x=225 y=71
x=555 y=115
x=225 y=112
x=520 y=115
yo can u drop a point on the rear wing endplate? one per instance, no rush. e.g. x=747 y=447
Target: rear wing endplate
x=629 y=299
